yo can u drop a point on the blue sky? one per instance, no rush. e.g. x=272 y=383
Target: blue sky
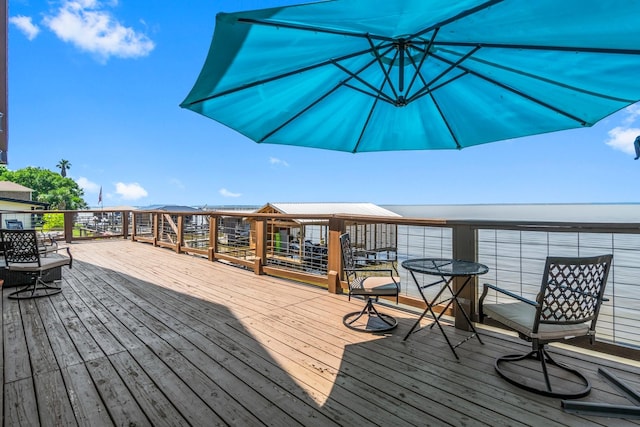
x=99 y=83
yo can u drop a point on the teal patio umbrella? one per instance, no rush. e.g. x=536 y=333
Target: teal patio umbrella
x=378 y=75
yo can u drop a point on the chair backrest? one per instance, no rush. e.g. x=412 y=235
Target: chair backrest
x=20 y=246
x=348 y=261
x=13 y=224
x=572 y=290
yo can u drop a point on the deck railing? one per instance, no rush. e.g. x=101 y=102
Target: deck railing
x=306 y=248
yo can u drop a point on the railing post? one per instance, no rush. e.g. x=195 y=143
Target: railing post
x=133 y=226
x=68 y=226
x=125 y=224
x=465 y=247
x=213 y=237
x=334 y=256
x=261 y=245
x=156 y=228
x=180 y=234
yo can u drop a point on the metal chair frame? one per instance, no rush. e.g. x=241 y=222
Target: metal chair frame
x=24 y=254
x=566 y=307
x=369 y=284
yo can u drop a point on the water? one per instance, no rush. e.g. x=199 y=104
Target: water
x=578 y=212
x=516 y=258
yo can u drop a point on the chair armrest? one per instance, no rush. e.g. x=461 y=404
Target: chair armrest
x=57 y=249
x=373 y=270
x=488 y=286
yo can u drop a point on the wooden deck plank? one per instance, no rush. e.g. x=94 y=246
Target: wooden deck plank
x=20 y=403
x=381 y=372
x=87 y=404
x=54 y=406
x=122 y=406
x=152 y=401
x=143 y=335
x=40 y=353
x=181 y=395
x=16 y=352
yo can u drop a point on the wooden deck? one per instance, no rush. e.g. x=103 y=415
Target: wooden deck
x=143 y=336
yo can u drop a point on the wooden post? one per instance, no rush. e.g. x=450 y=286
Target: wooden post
x=180 y=233
x=261 y=245
x=133 y=226
x=213 y=237
x=156 y=229
x=68 y=226
x=125 y=224
x=334 y=256
x=465 y=247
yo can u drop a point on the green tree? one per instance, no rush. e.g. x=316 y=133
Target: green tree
x=63 y=165
x=48 y=187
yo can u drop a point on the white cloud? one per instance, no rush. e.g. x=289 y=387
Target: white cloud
x=25 y=25
x=86 y=24
x=622 y=137
x=633 y=113
x=88 y=186
x=131 y=191
x=226 y=193
x=275 y=161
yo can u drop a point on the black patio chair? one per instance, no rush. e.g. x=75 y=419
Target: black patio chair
x=369 y=283
x=23 y=254
x=566 y=307
x=13 y=224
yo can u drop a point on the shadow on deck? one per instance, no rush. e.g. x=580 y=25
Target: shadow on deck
x=142 y=336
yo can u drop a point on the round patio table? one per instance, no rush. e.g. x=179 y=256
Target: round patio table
x=445 y=269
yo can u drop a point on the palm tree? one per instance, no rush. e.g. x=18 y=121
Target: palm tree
x=63 y=165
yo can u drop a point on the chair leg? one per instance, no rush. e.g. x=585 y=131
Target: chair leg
x=375 y=322
x=36 y=289
x=552 y=388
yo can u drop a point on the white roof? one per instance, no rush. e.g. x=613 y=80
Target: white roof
x=332 y=208
x=12 y=186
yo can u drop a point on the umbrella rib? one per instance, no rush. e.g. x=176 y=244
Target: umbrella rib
x=301 y=112
x=366 y=124
x=310 y=28
x=426 y=87
x=278 y=77
x=581 y=49
x=446 y=123
x=457 y=17
x=532 y=76
x=360 y=79
x=373 y=95
x=374 y=49
x=424 y=57
x=308 y=107
x=515 y=91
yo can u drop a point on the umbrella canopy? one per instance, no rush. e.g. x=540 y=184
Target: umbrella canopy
x=376 y=75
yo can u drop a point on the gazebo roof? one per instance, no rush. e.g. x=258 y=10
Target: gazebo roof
x=328 y=208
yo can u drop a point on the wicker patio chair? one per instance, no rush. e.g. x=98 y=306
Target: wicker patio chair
x=566 y=307
x=23 y=254
x=369 y=283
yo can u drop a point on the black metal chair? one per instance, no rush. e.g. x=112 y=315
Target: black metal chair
x=23 y=254
x=13 y=224
x=369 y=284
x=566 y=307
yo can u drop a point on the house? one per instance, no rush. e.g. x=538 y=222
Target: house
x=16 y=197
